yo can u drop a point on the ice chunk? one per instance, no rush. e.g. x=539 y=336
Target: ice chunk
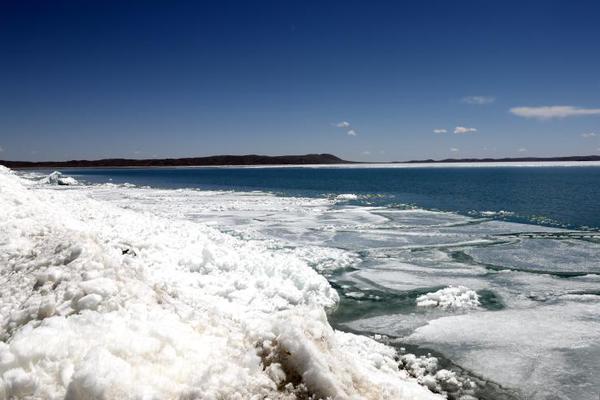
x=346 y=196
x=57 y=178
x=453 y=297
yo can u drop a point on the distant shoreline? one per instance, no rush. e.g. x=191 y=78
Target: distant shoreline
x=216 y=161
x=273 y=161
x=504 y=159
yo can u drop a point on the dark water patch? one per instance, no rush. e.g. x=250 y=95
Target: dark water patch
x=578 y=235
x=490 y=300
x=362 y=303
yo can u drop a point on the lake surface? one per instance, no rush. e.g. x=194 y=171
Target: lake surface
x=495 y=270
x=563 y=196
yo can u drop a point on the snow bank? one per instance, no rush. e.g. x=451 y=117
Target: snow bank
x=453 y=297
x=101 y=302
x=57 y=178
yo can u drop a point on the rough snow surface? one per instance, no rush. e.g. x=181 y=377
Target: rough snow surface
x=98 y=301
x=453 y=297
x=57 y=178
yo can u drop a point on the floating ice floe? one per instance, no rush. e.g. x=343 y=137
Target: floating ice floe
x=548 y=352
x=57 y=178
x=453 y=297
x=102 y=302
x=346 y=196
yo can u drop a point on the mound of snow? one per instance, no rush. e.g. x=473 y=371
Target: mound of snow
x=102 y=302
x=57 y=178
x=453 y=297
x=428 y=373
x=346 y=196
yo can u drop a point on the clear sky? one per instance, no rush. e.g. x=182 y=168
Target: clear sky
x=365 y=80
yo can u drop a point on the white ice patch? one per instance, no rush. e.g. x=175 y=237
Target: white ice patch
x=57 y=178
x=543 y=255
x=346 y=196
x=551 y=351
x=453 y=298
x=439 y=380
x=101 y=302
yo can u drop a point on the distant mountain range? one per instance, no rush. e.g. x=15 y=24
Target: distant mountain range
x=253 y=159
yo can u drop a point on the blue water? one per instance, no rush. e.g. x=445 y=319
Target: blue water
x=562 y=196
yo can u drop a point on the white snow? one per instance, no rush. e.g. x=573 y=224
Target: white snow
x=453 y=297
x=98 y=301
x=346 y=196
x=57 y=178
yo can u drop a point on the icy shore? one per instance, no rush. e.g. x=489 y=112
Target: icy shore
x=102 y=302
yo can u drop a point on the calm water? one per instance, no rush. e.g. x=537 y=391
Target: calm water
x=563 y=196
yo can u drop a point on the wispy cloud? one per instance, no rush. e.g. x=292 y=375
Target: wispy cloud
x=347 y=126
x=454 y=149
x=1 y=149
x=589 y=135
x=464 y=129
x=440 y=130
x=479 y=100
x=522 y=150
x=366 y=152
x=549 y=112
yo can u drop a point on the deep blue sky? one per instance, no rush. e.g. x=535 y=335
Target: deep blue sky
x=91 y=79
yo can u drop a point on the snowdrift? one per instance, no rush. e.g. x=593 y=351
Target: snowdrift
x=102 y=302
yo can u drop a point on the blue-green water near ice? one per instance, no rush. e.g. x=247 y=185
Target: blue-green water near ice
x=561 y=196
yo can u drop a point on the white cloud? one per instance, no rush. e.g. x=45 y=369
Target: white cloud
x=479 y=100
x=343 y=124
x=346 y=125
x=440 y=130
x=522 y=150
x=453 y=149
x=366 y=152
x=464 y=129
x=548 y=112
x=1 y=149
x=589 y=135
